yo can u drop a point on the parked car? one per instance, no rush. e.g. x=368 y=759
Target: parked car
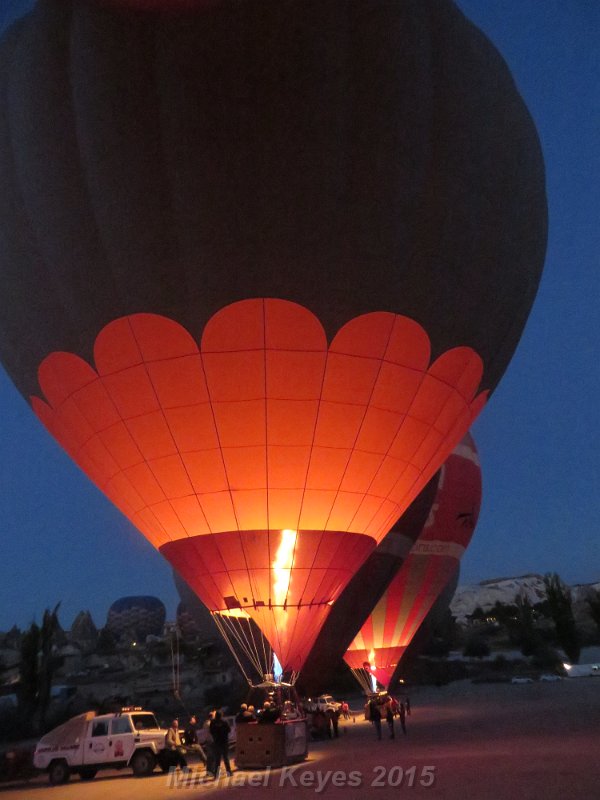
x=324 y=702
x=550 y=678
x=87 y=743
x=522 y=680
x=582 y=670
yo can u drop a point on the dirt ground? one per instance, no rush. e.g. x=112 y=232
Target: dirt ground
x=535 y=741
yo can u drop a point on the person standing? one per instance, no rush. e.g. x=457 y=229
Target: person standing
x=375 y=716
x=403 y=717
x=190 y=739
x=345 y=710
x=389 y=717
x=209 y=745
x=334 y=716
x=174 y=746
x=219 y=730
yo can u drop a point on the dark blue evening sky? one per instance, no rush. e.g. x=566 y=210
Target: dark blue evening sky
x=539 y=437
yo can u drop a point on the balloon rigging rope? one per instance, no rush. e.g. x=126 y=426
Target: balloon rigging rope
x=219 y=623
x=268 y=659
x=362 y=679
x=175 y=665
x=240 y=632
x=241 y=638
x=247 y=632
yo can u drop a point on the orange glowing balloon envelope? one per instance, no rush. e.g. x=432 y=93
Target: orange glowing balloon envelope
x=432 y=562
x=264 y=465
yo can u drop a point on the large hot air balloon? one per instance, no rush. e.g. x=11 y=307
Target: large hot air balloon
x=433 y=560
x=260 y=264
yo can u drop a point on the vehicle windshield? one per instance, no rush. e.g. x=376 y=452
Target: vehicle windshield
x=144 y=722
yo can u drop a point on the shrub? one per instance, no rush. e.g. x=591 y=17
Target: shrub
x=476 y=647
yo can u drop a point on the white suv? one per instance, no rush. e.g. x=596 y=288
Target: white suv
x=88 y=743
x=324 y=702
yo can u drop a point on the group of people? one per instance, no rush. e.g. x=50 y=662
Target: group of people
x=216 y=750
x=387 y=707
x=323 y=724
x=269 y=713
x=180 y=743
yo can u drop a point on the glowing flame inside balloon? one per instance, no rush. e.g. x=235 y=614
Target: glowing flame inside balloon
x=277 y=668
x=282 y=570
x=282 y=566
x=373 y=668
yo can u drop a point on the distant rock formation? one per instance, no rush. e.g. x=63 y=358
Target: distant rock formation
x=504 y=590
x=12 y=639
x=186 y=622
x=193 y=612
x=136 y=616
x=84 y=633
